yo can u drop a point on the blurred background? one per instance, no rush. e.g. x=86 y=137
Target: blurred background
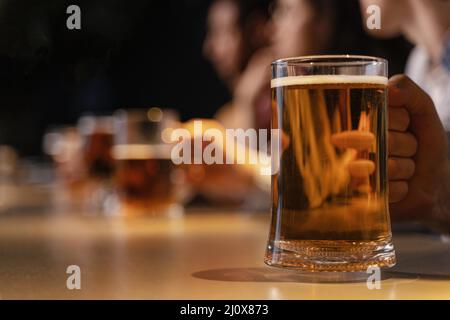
x=84 y=120
x=182 y=54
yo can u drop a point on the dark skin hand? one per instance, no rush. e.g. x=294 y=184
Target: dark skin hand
x=418 y=157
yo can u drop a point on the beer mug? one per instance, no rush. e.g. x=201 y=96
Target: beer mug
x=97 y=132
x=329 y=190
x=147 y=182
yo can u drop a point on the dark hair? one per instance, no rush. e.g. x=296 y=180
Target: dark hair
x=250 y=8
x=250 y=12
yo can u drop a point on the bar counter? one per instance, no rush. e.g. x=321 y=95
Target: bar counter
x=204 y=254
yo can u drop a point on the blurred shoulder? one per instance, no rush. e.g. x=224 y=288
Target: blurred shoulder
x=417 y=64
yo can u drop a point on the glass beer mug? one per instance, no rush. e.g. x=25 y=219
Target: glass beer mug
x=146 y=180
x=329 y=193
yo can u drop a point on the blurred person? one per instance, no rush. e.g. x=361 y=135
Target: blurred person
x=309 y=27
x=419 y=171
x=427 y=25
x=297 y=27
x=236 y=31
x=418 y=163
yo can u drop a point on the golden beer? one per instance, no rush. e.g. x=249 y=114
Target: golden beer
x=97 y=154
x=329 y=195
x=143 y=178
x=97 y=133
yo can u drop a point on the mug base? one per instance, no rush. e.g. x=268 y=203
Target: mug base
x=330 y=255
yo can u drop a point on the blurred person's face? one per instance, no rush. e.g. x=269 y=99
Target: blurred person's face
x=392 y=16
x=223 y=42
x=296 y=29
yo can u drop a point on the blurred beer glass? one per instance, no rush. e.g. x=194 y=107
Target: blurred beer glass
x=8 y=176
x=97 y=133
x=329 y=194
x=64 y=146
x=147 y=182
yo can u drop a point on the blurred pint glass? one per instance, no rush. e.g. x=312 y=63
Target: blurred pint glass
x=98 y=137
x=330 y=207
x=146 y=179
